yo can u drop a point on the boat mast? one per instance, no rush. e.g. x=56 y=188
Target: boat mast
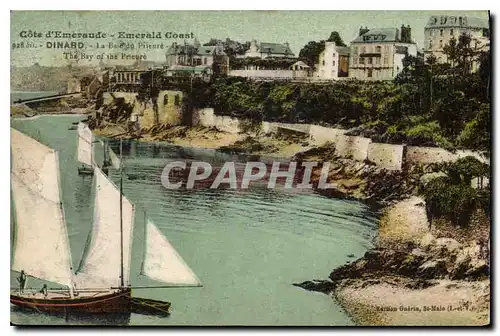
x=144 y=243
x=105 y=149
x=121 y=215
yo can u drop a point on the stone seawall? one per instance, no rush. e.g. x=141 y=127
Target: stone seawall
x=388 y=156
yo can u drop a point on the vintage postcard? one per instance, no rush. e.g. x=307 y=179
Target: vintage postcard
x=250 y=168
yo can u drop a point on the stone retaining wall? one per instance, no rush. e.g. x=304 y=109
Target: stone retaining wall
x=388 y=156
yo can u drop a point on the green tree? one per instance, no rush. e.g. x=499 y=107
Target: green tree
x=462 y=53
x=310 y=52
x=452 y=196
x=335 y=37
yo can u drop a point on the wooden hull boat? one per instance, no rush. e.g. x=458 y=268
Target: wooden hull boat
x=90 y=302
x=85 y=171
x=105 y=268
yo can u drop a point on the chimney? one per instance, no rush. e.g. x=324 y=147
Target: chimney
x=363 y=30
x=405 y=34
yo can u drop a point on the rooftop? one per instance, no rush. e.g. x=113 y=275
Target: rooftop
x=379 y=35
x=443 y=21
x=343 y=50
x=176 y=49
x=275 y=48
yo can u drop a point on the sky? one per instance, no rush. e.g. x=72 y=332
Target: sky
x=295 y=27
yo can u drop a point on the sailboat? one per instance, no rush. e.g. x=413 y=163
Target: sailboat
x=102 y=282
x=114 y=161
x=85 y=152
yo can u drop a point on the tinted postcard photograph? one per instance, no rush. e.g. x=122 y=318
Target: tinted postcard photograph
x=250 y=168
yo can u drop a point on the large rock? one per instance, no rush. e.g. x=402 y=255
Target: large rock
x=426 y=241
x=444 y=247
x=412 y=262
x=470 y=263
x=433 y=269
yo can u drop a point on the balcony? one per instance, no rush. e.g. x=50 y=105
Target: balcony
x=376 y=54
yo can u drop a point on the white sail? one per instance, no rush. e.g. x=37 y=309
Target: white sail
x=41 y=246
x=84 y=144
x=162 y=262
x=115 y=161
x=101 y=266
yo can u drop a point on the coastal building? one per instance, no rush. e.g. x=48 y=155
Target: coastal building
x=298 y=70
x=126 y=80
x=441 y=29
x=199 y=71
x=333 y=62
x=194 y=54
x=268 y=50
x=377 y=54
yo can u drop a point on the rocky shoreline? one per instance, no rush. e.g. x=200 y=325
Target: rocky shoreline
x=414 y=275
x=418 y=273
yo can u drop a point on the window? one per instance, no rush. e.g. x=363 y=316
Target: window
x=333 y=63
x=355 y=50
x=177 y=100
x=440 y=44
x=333 y=55
x=369 y=59
x=451 y=32
x=354 y=60
x=363 y=50
x=323 y=62
x=378 y=49
x=370 y=73
x=430 y=44
x=165 y=99
x=377 y=60
x=441 y=32
x=431 y=32
x=386 y=60
x=204 y=60
x=361 y=60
